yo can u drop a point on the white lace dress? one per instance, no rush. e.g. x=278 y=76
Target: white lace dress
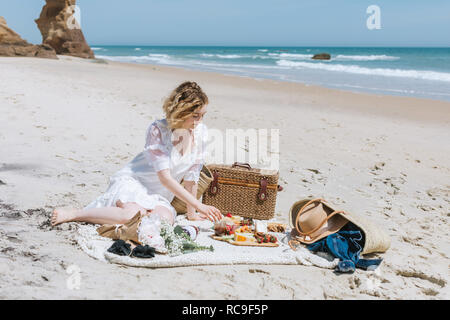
x=138 y=180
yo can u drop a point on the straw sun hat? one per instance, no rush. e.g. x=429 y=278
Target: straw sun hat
x=315 y=219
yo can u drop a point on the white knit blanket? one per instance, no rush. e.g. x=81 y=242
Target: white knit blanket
x=223 y=254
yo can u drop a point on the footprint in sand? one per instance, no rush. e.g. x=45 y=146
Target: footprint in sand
x=13 y=238
x=439 y=193
x=17 y=167
x=423 y=276
x=257 y=271
x=82 y=137
x=65 y=174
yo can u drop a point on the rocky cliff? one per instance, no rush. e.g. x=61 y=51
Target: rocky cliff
x=61 y=31
x=12 y=45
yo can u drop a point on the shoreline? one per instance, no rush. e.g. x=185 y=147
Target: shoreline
x=441 y=107
x=388 y=71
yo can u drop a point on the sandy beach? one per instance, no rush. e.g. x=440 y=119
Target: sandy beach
x=67 y=125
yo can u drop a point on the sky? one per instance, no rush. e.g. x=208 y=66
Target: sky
x=247 y=22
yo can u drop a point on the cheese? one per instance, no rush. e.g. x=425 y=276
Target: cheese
x=244 y=237
x=261 y=226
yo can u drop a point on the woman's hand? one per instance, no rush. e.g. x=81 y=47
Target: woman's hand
x=195 y=216
x=212 y=213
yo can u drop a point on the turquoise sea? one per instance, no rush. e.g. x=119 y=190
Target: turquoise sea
x=416 y=72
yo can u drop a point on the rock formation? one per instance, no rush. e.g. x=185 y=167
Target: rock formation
x=61 y=31
x=12 y=45
x=322 y=56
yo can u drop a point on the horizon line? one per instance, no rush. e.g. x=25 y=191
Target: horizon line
x=270 y=46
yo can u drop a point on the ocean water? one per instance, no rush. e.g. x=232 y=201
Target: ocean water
x=415 y=72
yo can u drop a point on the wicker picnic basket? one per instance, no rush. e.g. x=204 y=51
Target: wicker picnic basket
x=242 y=190
x=203 y=184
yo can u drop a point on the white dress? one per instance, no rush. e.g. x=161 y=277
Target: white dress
x=138 y=180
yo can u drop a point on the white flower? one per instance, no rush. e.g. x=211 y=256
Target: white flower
x=149 y=232
x=161 y=235
x=173 y=242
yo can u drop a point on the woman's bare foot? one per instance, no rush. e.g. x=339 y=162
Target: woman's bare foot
x=61 y=215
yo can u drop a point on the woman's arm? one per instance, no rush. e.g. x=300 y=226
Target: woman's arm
x=191 y=187
x=178 y=190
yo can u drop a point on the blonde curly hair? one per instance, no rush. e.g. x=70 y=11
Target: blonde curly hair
x=182 y=102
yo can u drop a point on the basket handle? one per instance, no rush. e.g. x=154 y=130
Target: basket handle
x=242 y=165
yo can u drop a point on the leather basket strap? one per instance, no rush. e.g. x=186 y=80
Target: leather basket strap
x=262 y=194
x=214 y=185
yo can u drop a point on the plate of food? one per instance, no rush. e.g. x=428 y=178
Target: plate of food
x=242 y=232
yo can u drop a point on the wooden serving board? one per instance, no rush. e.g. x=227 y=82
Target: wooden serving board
x=246 y=243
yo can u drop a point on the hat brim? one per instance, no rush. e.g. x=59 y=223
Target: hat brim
x=333 y=225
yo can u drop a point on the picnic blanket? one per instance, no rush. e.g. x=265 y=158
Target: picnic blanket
x=224 y=253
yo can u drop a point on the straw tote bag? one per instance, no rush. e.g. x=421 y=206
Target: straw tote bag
x=324 y=220
x=242 y=190
x=203 y=184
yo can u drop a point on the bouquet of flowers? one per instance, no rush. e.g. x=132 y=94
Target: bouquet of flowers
x=149 y=233
x=166 y=238
x=177 y=241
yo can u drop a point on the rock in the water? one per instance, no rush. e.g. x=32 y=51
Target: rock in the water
x=59 y=31
x=322 y=56
x=12 y=45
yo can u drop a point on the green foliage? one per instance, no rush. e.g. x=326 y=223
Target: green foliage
x=177 y=241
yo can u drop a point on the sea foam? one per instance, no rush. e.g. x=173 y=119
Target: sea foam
x=158 y=58
x=373 y=57
x=415 y=74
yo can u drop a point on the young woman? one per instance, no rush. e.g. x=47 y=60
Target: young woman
x=174 y=150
